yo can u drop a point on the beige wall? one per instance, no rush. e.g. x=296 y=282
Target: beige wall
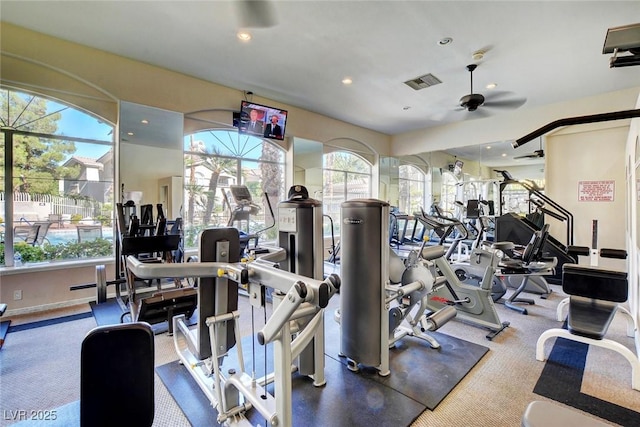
x=633 y=220
x=49 y=288
x=589 y=153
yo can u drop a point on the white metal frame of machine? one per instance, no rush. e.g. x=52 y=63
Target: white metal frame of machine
x=236 y=393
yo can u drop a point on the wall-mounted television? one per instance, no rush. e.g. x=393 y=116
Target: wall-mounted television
x=261 y=120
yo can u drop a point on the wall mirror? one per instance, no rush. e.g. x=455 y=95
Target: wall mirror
x=150 y=157
x=307 y=166
x=415 y=183
x=637 y=191
x=389 y=180
x=477 y=176
x=524 y=162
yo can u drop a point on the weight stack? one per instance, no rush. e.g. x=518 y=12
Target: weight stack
x=364 y=269
x=300 y=234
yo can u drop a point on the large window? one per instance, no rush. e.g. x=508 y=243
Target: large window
x=345 y=176
x=60 y=169
x=218 y=159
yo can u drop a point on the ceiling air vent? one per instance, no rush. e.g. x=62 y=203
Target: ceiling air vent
x=423 y=82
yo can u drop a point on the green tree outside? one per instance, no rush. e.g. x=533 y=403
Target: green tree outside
x=37 y=161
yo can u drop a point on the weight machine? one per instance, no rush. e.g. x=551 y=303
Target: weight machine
x=203 y=349
x=382 y=300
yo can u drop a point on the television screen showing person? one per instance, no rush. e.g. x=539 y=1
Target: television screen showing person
x=261 y=120
x=273 y=129
x=255 y=125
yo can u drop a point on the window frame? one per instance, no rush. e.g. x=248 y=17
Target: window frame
x=8 y=142
x=234 y=154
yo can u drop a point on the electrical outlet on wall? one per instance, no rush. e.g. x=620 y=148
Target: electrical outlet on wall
x=17 y=295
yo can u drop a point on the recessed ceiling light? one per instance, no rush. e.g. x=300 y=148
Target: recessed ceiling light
x=130 y=133
x=488 y=147
x=144 y=121
x=492 y=85
x=244 y=36
x=504 y=154
x=347 y=81
x=445 y=41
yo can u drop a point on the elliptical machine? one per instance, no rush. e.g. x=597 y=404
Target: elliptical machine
x=240 y=217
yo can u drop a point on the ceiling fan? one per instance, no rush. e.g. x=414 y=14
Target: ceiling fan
x=537 y=154
x=472 y=101
x=256 y=13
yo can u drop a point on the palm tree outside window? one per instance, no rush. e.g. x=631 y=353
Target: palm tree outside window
x=215 y=159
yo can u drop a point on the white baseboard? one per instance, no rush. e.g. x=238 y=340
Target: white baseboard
x=46 y=307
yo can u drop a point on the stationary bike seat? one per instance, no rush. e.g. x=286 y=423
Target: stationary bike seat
x=503 y=246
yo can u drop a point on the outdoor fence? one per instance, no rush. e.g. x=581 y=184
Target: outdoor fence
x=34 y=207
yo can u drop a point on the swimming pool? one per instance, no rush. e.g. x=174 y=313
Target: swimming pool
x=57 y=236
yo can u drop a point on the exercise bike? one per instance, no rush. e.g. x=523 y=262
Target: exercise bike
x=473 y=304
x=483 y=255
x=473 y=271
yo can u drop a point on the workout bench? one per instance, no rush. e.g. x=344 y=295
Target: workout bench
x=594 y=297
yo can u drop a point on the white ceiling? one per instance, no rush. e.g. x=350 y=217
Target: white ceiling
x=543 y=52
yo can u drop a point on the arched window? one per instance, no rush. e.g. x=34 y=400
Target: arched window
x=345 y=176
x=60 y=166
x=414 y=191
x=216 y=159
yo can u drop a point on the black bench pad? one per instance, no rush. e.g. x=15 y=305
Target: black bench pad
x=590 y=318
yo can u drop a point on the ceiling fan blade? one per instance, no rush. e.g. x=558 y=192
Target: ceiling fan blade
x=507 y=103
x=480 y=113
x=256 y=13
x=503 y=99
x=439 y=116
x=495 y=95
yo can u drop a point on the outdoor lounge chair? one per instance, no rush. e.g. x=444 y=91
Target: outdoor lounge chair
x=26 y=233
x=89 y=232
x=42 y=232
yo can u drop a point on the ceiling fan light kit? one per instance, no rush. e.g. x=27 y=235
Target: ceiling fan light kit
x=472 y=101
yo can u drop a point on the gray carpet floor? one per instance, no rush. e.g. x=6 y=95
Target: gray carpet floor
x=39 y=369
